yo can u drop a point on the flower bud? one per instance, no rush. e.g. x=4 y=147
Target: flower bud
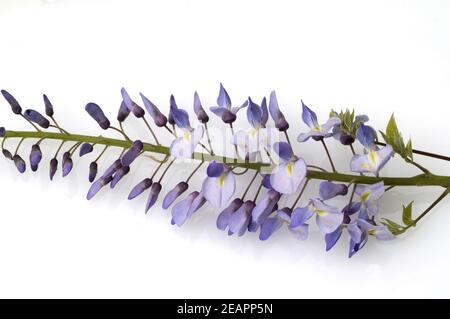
x=124 y=111
x=97 y=114
x=93 y=168
x=132 y=153
x=15 y=106
x=199 y=110
x=153 y=196
x=131 y=105
x=173 y=194
x=7 y=154
x=20 y=163
x=67 y=164
x=140 y=188
x=35 y=157
x=48 y=106
x=2 y=131
x=346 y=139
x=228 y=116
x=86 y=148
x=159 y=118
x=120 y=173
x=36 y=117
x=53 y=167
x=97 y=186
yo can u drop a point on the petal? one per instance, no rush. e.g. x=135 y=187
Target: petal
x=328 y=190
x=180 y=149
x=140 y=188
x=329 y=221
x=300 y=232
x=180 y=116
x=330 y=124
x=219 y=190
x=197 y=203
x=269 y=226
x=303 y=137
x=223 y=99
x=285 y=214
x=284 y=151
x=180 y=210
x=224 y=216
x=254 y=113
x=355 y=247
x=299 y=216
x=132 y=153
x=332 y=238
x=153 y=196
x=174 y=193
x=265 y=112
x=85 y=149
x=240 y=220
x=234 y=110
x=97 y=114
x=354 y=231
x=215 y=169
x=287 y=177
x=218 y=110
x=265 y=207
x=309 y=117
x=366 y=136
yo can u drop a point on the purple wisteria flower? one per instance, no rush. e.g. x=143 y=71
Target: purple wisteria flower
x=199 y=110
x=374 y=159
x=174 y=193
x=15 y=106
x=123 y=112
x=272 y=224
x=140 y=188
x=219 y=185
x=86 y=148
x=36 y=117
x=131 y=105
x=289 y=174
x=257 y=138
x=369 y=196
x=182 y=147
x=97 y=114
x=20 y=163
x=239 y=220
x=317 y=131
x=280 y=121
x=185 y=208
x=159 y=118
x=224 y=109
x=224 y=217
x=35 y=157
x=328 y=218
x=264 y=208
x=153 y=196
x=48 y=106
x=67 y=164
x=354 y=231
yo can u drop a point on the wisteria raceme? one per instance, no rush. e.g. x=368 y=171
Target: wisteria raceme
x=346 y=203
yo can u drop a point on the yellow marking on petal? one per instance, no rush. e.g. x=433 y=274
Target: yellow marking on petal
x=221 y=180
x=187 y=136
x=290 y=168
x=321 y=212
x=373 y=156
x=254 y=132
x=317 y=128
x=373 y=232
x=365 y=196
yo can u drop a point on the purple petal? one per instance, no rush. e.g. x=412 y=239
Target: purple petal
x=97 y=186
x=284 y=151
x=174 y=193
x=285 y=214
x=120 y=173
x=223 y=99
x=332 y=238
x=366 y=136
x=264 y=112
x=269 y=226
x=219 y=190
x=20 y=163
x=35 y=157
x=254 y=114
x=224 y=216
x=181 y=117
x=354 y=231
x=328 y=190
x=309 y=117
x=67 y=165
x=198 y=109
x=131 y=105
x=123 y=113
x=278 y=117
x=287 y=177
x=329 y=221
x=181 y=209
x=53 y=167
x=218 y=110
x=93 y=168
x=300 y=232
x=240 y=220
x=159 y=118
x=215 y=169
x=197 y=203
x=300 y=216
x=228 y=116
x=140 y=188
x=265 y=206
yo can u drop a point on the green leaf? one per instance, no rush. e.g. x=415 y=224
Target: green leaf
x=392 y=223
x=392 y=226
x=392 y=129
x=407 y=214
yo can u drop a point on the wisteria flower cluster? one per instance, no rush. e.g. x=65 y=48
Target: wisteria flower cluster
x=280 y=174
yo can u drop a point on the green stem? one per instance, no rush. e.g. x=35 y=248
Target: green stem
x=418 y=180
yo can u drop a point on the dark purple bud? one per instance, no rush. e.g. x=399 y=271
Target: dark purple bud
x=20 y=163
x=132 y=153
x=159 y=118
x=131 y=105
x=53 y=167
x=86 y=148
x=153 y=196
x=97 y=114
x=15 y=106
x=93 y=168
x=120 y=173
x=35 y=157
x=97 y=186
x=224 y=217
x=36 y=117
x=124 y=111
x=112 y=168
x=7 y=154
x=346 y=139
x=280 y=122
x=173 y=194
x=140 y=188
x=199 y=110
x=2 y=131
x=228 y=116
x=196 y=204
x=48 y=106
x=67 y=164
x=170 y=119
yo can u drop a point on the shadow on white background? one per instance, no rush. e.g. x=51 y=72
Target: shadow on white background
x=379 y=57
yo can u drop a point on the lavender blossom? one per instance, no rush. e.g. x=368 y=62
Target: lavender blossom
x=67 y=164
x=198 y=109
x=97 y=114
x=220 y=184
x=174 y=193
x=48 y=106
x=20 y=163
x=280 y=121
x=159 y=118
x=317 y=131
x=36 y=117
x=86 y=148
x=53 y=167
x=140 y=188
x=153 y=196
x=131 y=105
x=223 y=218
x=328 y=190
x=15 y=106
x=224 y=109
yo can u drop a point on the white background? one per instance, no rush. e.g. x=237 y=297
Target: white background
x=377 y=56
